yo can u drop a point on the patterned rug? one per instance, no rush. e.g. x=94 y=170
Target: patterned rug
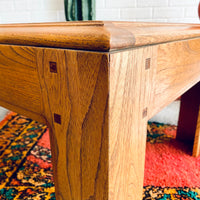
x=26 y=169
x=25 y=160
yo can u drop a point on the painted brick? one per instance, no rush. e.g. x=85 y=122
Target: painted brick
x=108 y=14
x=6 y=6
x=53 y=5
x=16 y=17
x=183 y=2
x=152 y=3
x=61 y=16
x=191 y=12
x=21 y=5
x=44 y=16
x=136 y=13
x=186 y=20
x=168 y=13
x=129 y=10
x=100 y=4
x=152 y=20
x=35 y=5
x=120 y=3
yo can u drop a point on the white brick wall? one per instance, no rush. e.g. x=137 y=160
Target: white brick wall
x=183 y=11
x=14 y=11
x=21 y=11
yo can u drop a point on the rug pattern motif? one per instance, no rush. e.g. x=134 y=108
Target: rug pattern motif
x=25 y=166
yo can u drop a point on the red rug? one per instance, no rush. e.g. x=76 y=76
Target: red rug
x=170 y=170
x=169 y=162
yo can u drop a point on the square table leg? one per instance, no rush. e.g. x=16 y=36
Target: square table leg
x=96 y=106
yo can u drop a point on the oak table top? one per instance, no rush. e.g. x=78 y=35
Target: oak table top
x=96 y=35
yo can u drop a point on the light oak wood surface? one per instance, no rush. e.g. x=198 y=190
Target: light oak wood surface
x=97 y=103
x=96 y=35
x=129 y=96
x=178 y=69
x=19 y=83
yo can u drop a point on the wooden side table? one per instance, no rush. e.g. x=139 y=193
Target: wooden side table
x=95 y=84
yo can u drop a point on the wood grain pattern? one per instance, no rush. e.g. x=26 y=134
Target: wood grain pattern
x=96 y=35
x=188 y=125
x=98 y=143
x=178 y=69
x=75 y=35
x=80 y=142
x=19 y=83
x=129 y=97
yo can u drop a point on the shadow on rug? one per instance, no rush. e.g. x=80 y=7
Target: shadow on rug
x=26 y=169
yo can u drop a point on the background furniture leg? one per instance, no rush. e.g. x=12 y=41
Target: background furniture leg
x=189 y=118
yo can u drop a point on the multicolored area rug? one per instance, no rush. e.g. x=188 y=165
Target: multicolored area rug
x=26 y=169
x=25 y=160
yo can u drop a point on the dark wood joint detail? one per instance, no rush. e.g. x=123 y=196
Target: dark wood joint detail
x=147 y=63
x=57 y=118
x=53 y=67
x=144 y=113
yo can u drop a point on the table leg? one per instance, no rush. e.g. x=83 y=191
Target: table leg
x=130 y=88
x=96 y=106
x=189 y=118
